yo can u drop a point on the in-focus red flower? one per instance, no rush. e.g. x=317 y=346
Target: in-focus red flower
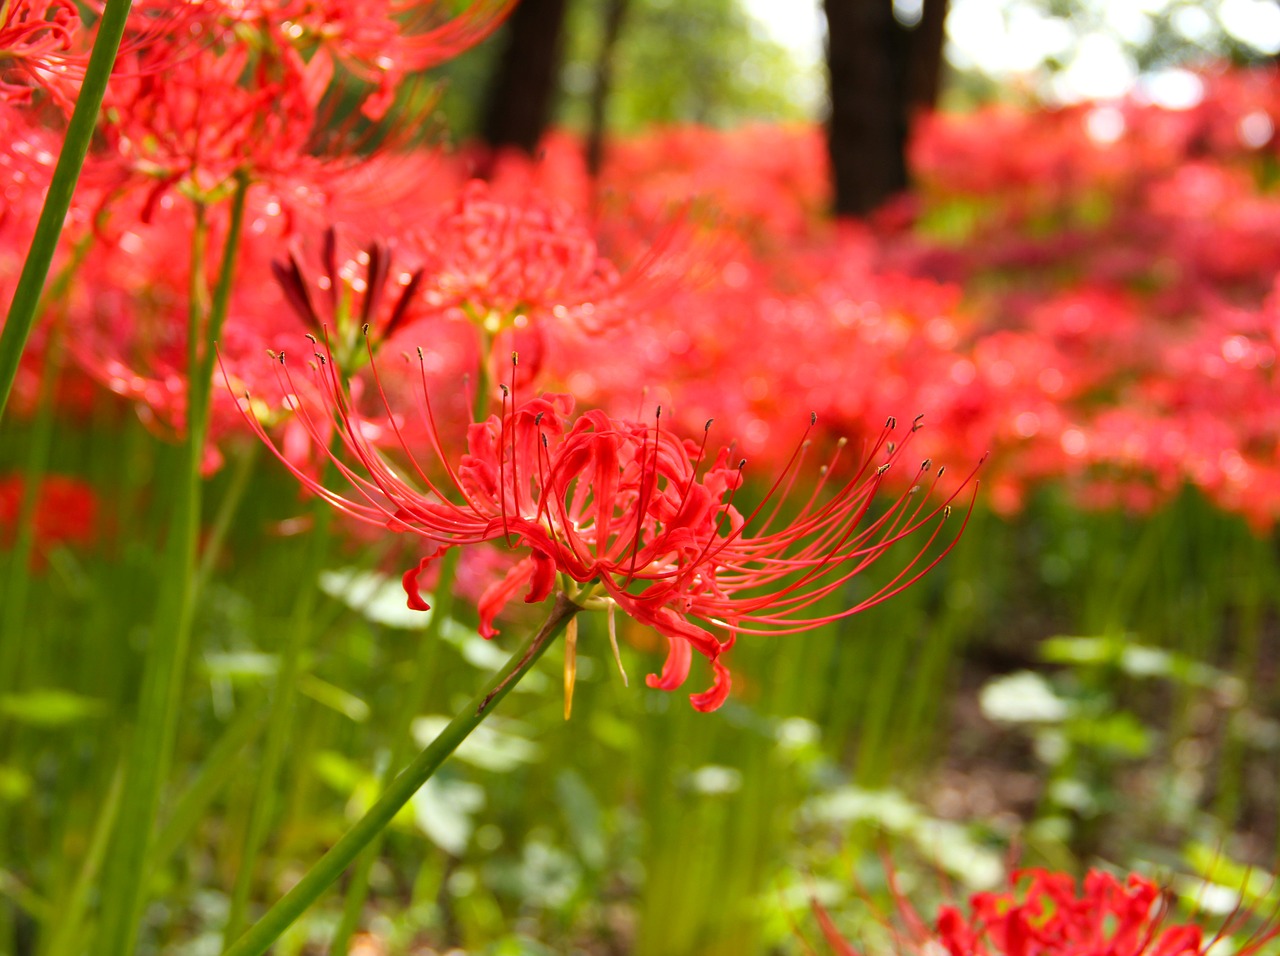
x=1043 y=913
x=626 y=514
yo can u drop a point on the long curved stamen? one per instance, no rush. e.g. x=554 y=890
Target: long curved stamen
x=515 y=476
x=715 y=524
x=502 y=455
x=786 y=491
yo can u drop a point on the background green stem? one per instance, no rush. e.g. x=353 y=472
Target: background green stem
x=160 y=699
x=330 y=866
x=14 y=612
x=27 y=295
x=441 y=611
x=279 y=723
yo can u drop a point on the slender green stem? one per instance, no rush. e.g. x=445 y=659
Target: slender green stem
x=480 y=406
x=164 y=672
x=283 y=701
x=330 y=866
x=217 y=769
x=441 y=611
x=226 y=513
x=26 y=297
x=69 y=928
x=13 y=615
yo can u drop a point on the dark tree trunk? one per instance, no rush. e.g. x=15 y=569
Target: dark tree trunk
x=522 y=94
x=924 y=58
x=613 y=17
x=881 y=74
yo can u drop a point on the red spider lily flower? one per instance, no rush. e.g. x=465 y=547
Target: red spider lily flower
x=232 y=106
x=379 y=41
x=45 y=45
x=36 y=40
x=627 y=514
x=501 y=263
x=1051 y=916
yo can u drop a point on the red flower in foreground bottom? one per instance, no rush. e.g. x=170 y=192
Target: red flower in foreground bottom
x=619 y=511
x=1052 y=917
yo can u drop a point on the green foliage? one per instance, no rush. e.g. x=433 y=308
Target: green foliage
x=704 y=61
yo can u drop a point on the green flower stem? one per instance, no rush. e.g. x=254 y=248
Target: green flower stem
x=151 y=746
x=415 y=693
x=330 y=866
x=279 y=723
x=26 y=297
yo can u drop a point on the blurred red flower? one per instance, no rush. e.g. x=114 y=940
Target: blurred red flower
x=66 y=512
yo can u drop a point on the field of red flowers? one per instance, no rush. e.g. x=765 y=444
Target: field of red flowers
x=956 y=525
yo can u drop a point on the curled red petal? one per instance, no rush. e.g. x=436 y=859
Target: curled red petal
x=542 y=580
x=676 y=668
x=497 y=595
x=410 y=582
x=715 y=695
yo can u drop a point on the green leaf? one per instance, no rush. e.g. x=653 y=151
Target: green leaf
x=48 y=707
x=241 y=665
x=444 y=811
x=334 y=697
x=15 y=785
x=375 y=597
x=582 y=816
x=1021 y=698
x=496 y=745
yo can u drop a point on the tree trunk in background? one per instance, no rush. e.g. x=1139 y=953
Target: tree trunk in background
x=520 y=99
x=924 y=58
x=615 y=13
x=881 y=73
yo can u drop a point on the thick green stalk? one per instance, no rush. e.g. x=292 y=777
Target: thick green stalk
x=441 y=611
x=26 y=297
x=283 y=702
x=341 y=855
x=160 y=700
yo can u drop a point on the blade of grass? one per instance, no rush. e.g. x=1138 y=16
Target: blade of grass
x=68 y=931
x=215 y=773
